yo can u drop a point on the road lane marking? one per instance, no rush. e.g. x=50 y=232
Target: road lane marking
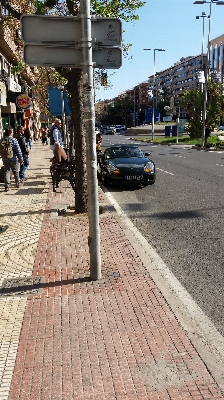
x=166 y=172
x=179 y=156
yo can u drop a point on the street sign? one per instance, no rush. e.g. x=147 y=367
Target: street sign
x=70 y=56
x=215 y=75
x=55 y=101
x=44 y=29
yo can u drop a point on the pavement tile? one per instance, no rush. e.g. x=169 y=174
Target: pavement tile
x=116 y=338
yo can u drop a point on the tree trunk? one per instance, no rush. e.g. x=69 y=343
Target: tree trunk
x=76 y=108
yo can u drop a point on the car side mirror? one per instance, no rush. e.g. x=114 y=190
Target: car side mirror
x=147 y=154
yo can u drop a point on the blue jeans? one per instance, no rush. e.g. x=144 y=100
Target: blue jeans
x=23 y=167
x=29 y=142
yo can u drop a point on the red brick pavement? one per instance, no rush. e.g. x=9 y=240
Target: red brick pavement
x=116 y=338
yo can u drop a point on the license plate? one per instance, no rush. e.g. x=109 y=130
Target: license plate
x=134 y=178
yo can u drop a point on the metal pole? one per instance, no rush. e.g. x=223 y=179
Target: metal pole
x=202 y=86
x=153 y=94
x=208 y=47
x=91 y=157
x=134 y=109
x=156 y=86
x=63 y=116
x=207 y=72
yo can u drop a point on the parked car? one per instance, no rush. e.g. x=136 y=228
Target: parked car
x=118 y=128
x=221 y=128
x=110 y=130
x=103 y=128
x=126 y=164
x=121 y=128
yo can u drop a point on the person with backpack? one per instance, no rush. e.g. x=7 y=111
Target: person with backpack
x=25 y=152
x=12 y=157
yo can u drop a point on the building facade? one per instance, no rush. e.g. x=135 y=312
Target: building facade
x=13 y=82
x=216 y=58
x=175 y=80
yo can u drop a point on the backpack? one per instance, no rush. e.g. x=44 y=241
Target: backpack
x=22 y=144
x=6 y=150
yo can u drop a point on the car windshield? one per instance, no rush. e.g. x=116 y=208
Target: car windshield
x=126 y=152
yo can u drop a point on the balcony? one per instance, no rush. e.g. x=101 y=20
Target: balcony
x=7 y=44
x=10 y=50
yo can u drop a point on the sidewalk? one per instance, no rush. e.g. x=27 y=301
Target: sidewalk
x=64 y=337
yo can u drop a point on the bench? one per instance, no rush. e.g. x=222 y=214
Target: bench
x=63 y=170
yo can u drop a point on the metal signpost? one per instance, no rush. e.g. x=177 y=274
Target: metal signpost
x=78 y=42
x=57 y=41
x=70 y=56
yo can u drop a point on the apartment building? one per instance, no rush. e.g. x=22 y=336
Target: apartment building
x=182 y=76
x=216 y=57
x=12 y=82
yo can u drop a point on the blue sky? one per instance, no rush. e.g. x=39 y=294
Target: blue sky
x=167 y=24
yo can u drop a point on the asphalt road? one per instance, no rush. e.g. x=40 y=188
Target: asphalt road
x=182 y=217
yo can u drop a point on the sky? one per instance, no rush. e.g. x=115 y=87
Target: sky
x=167 y=24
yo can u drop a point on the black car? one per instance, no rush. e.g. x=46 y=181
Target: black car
x=125 y=164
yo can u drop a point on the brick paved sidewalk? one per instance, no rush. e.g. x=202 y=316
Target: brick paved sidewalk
x=116 y=338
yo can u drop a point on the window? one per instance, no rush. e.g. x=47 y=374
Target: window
x=5 y=66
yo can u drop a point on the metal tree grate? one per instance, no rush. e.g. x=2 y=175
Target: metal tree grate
x=22 y=286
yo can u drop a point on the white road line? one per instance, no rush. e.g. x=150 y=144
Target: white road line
x=166 y=172
x=179 y=156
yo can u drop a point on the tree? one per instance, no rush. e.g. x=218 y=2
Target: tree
x=215 y=104
x=193 y=103
x=123 y=9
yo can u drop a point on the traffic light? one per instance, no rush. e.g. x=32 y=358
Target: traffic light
x=103 y=79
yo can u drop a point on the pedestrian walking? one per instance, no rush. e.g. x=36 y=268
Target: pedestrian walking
x=44 y=136
x=55 y=135
x=28 y=138
x=12 y=157
x=25 y=152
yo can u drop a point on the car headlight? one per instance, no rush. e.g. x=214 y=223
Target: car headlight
x=149 y=167
x=112 y=169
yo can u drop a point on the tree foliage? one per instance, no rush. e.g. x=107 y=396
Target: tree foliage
x=215 y=104
x=193 y=102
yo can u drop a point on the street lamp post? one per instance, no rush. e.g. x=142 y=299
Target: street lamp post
x=134 y=122
x=204 y=76
x=207 y=69
x=153 y=92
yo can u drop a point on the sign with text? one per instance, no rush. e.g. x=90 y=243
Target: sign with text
x=44 y=29
x=13 y=86
x=69 y=56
